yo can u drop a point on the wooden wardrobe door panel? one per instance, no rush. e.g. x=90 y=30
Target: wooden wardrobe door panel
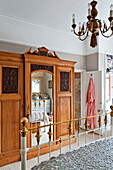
x=11 y=107
x=64 y=114
x=10 y=126
x=65 y=101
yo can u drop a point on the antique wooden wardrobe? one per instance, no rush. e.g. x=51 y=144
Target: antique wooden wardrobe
x=15 y=97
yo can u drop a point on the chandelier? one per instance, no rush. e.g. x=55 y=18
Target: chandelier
x=93 y=25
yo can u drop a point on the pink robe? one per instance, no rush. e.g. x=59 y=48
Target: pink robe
x=90 y=100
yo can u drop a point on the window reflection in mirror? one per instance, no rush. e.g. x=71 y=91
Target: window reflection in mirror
x=35 y=85
x=41 y=104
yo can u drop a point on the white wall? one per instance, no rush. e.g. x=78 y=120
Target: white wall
x=92 y=62
x=87 y=49
x=106 y=45
x=81 y=60
x=25 y=33
x=13 y=48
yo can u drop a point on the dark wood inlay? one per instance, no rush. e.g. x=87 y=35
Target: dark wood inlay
x=64 y=81
x=41 y=67
x=9 y=80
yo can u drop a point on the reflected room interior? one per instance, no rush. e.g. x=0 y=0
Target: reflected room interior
x=41 y=104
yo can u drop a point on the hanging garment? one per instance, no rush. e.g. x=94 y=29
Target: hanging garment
x=90 y=100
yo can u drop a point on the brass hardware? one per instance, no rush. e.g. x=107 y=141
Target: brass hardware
x=70 y=128
x=60 y=140
x=24 y=130
x=38 y=136
x=35 y=104
x=39 y=104
x=105 y=120
x=50 y=132
x=72 y=120
x=86 y=125
x=99 y=121
x=111 y=107
x=78 y=126
x=28 y=113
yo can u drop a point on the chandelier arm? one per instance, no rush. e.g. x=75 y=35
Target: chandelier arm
x=107 y=29
x=80 y=33
x=101 y=27
x=84 y=32
x=75 y=33
x=84 y=37
x=107 y=36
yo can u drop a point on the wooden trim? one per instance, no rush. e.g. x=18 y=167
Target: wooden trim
x=0 y=80
x=11 y=54
x=6 y=56
x=0 y=128
x=55 y=99
x=47 y=60
x=72 y=101
x=21 y=90
x=9 y=160
x=67 y=69
x=61 y=94
x=10 y=64
x=10 y=97
x=9 y=157
x=43 y=71
x=28 y=98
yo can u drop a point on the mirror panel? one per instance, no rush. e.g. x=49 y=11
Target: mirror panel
x=41 y=103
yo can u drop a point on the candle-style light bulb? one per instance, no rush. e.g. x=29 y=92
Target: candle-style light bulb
x=80 y=28
x=89 y=10
x=73 y=18
x=111 y=10
x=112 y=24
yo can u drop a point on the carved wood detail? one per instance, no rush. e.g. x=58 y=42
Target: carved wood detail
x=41 y=67
x=42 y=51
x=64 y=81
x=9 y=80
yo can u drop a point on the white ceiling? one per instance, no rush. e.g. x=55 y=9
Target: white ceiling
x=52 y=14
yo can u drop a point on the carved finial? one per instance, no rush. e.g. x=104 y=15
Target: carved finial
x=86 y=124
x=24 y=130
x=42 y=51
x=111 y=107
x=105 y=120
x=50 y=132
x=70 y=128
x=38 y=136
x=78 y=126
x=99 y=121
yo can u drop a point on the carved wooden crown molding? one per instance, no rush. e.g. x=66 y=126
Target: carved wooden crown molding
x=42 y=51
